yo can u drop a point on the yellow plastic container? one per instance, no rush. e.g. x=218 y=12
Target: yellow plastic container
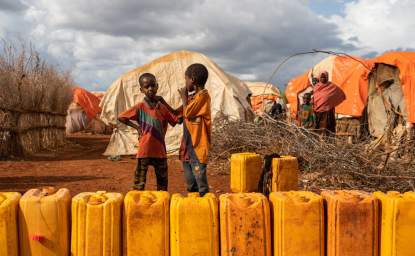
x=246 y=169
x=351 y=223
x=194 y=225
x=9 y=205
x=284 y=174
x=397 y=223
x=245 y=224
x=297 y=219
x=146 y=223
x=96 y=224
x=45 y=215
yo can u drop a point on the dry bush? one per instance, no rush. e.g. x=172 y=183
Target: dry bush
x=34 y=98
x=325 y=162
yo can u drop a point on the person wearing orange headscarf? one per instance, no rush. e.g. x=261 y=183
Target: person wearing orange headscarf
x=327 y=96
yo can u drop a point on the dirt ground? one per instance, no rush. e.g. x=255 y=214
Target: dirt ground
x=80 y=167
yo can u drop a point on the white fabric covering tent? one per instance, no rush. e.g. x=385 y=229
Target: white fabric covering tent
x=227 y=92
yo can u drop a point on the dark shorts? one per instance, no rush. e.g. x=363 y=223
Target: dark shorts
x=160 y=168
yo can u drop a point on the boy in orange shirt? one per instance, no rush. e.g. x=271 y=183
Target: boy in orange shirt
x=197 y=129
x=152 y=118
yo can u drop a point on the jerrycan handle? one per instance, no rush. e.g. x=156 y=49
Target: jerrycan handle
x=393 y=193
x=193 y=195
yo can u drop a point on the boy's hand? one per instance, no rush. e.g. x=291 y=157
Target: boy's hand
x=140 y=133
x=179 y=120
x=159 y=98
x=183 y=92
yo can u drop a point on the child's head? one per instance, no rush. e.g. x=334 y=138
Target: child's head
x=315 y=81
x=307 y=98
x=148 y=85
x=196 y=75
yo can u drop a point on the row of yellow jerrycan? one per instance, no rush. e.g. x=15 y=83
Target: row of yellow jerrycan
x=246 y=170
x=150 y=223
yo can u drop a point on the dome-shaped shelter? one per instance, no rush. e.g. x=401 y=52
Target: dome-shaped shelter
x=261 y=99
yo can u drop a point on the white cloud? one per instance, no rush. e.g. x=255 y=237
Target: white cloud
x=379 y=25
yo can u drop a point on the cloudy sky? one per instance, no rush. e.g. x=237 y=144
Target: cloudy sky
x=247 y=38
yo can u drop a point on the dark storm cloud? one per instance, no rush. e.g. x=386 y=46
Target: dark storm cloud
x=246 y=38
x=12 y=6
x=370 y=55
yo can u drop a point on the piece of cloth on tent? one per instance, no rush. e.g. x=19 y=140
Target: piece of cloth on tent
x=405 y=63
x=76 y=121
x=88 y=102
x=327 y=95
x=386 y=79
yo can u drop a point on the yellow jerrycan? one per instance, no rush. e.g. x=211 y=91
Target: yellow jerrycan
x=284 y=174
x=396 y=223
x=246 y=169
x=352 y=223
x=146 y=221
x=96 y=224
x=44 y=222
x=9 y=205
x=245 y=224
x=297 y=219
x=194 y=225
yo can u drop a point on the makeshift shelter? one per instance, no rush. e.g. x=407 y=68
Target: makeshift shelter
x=84 y=113
x=350 y=74
x=261 y=99
x=391 y=93
x=99 y=94
x=228 y=96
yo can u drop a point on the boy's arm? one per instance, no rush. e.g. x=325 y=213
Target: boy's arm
x=162 y=101
x=131 y=124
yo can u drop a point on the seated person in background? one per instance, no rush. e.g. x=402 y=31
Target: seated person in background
x=277 y=112
x=307 y=117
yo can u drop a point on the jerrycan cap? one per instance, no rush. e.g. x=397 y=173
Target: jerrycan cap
x=94 y=200
x=193 y=195
x=300 y=198
x=244 y=200
x=393 y=193
x=49 y=191
x=36 y=238
x=2 y=198
x=147 y=199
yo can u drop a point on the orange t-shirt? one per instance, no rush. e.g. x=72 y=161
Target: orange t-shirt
x=153 y=123
x=197 y=129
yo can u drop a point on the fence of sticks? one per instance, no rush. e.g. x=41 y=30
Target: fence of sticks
x=329 y=162
x=34 y=98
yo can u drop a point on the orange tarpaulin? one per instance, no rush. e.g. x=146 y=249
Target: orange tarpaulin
x=295 y=86
x=257 y=105
x=405 y=61
x=88 y=102
x=349 y=74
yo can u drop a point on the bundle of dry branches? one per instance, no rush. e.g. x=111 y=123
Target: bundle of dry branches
x=325 y=162
x=34 y=98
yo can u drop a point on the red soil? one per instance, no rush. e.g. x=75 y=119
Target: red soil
x=80 y=167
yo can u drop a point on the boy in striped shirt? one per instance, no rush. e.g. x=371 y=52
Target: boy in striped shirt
x=152 y=115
